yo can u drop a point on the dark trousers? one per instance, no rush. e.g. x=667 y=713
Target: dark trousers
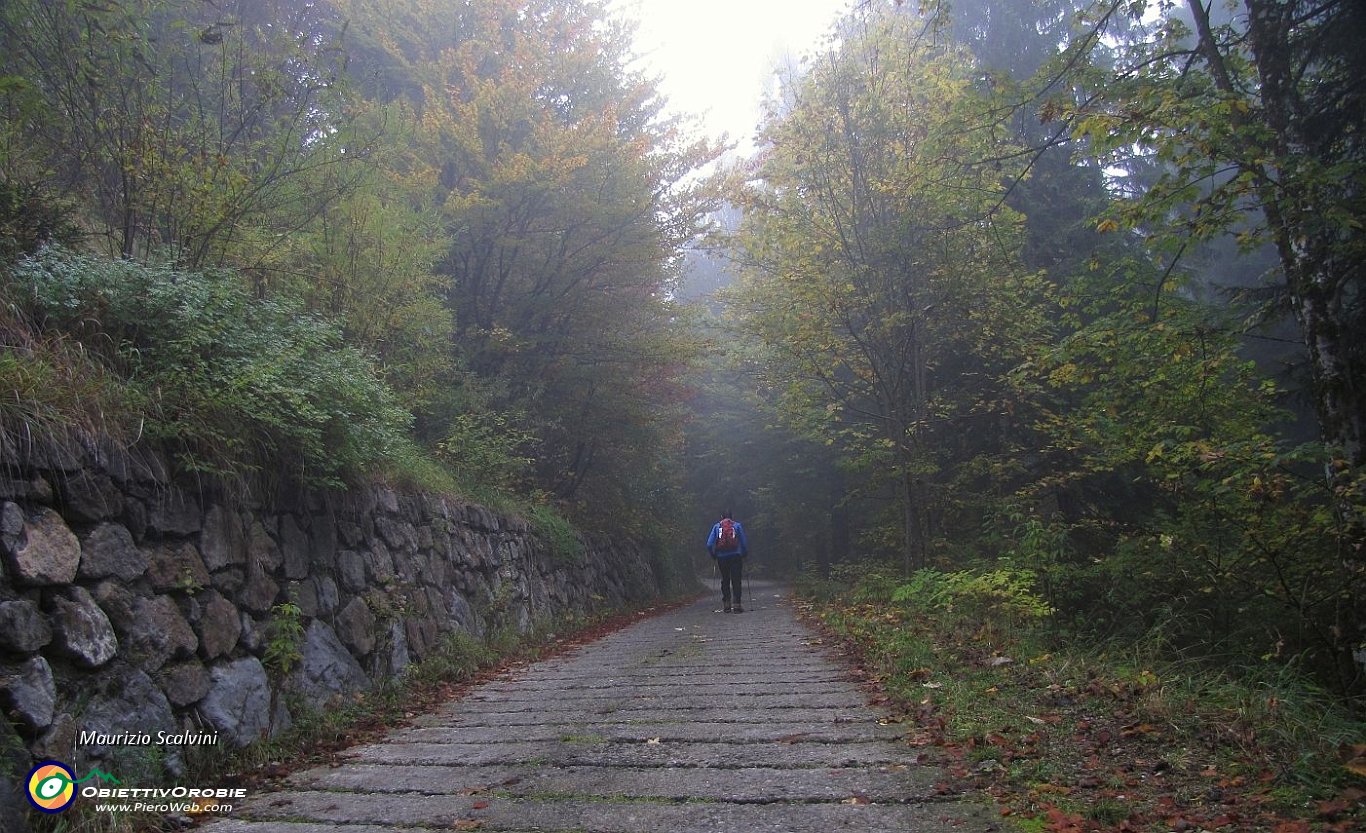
x=730 y=578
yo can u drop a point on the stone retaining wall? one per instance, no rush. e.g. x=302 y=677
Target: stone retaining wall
x=129 y=604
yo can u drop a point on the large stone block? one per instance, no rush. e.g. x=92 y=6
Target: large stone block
x=305 y=595
x=327 y=594
x=29 y=692
x=387 y=500
x=462 y=615
x=58 y=743
x=356 y=627
x=326 y=668
x=253 y=637
x=260 y=593
x=108 y=550
x=44 y=551
x=176 y=566
x=184 y=683
x=323 y=535
x=426 y=537
x=29 y=488
x=122 y=700
x=350 y=533
x=379 y=563
x=89 y=496
x=351 y=571
x=218 y=624
x=23 y=628
x=435 y=572
x=262 y=550
x=223 y=541
x=148 y=469
x=422 y=633
x=238 y=701
x=150 y=630
x=400 y=535
x=83 y=631
x=11 y=527
x=294 y=548
x=175 y=513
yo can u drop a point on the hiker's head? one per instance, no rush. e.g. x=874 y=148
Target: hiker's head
x=726 y=515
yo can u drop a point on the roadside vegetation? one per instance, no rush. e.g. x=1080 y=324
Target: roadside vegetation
x=1069 y=735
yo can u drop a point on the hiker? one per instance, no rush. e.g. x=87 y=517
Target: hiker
x=728 y=549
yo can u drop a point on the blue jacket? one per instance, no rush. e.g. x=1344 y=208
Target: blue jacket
x=741 y=543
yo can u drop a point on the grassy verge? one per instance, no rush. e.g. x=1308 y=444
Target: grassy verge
x=318 y=735
x=1069 y=738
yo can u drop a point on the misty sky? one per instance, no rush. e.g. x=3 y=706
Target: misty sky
x=715 y=57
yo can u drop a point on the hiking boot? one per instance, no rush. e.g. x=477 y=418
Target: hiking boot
x=738 y=609
x=727 y=608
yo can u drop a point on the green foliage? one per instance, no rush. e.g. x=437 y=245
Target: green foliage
x=1245 y=127
x=1094 y=442
x=176 y=125
x=457 y=656
x=29 y=219
x=241 y=384
x=560 y=201
x=552 y=527
x=882 y=280
x=447 y=232
x=1166 y=500
x=486 y=448
x=1002 y=594
x=285 y=635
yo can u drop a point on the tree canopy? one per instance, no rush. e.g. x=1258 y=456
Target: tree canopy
x=481 y=200
x=1018 y=265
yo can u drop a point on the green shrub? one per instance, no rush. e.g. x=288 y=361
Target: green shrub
x=1005 y=593
x=484 y=447
x=238 y=384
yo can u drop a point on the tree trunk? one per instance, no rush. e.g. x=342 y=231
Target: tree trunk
x=839 y=528
x=913 y=554
x=1320 y=269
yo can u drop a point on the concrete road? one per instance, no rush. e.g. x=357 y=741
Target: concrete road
x=691 y=721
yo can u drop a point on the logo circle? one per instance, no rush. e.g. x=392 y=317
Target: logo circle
x=51 y=787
